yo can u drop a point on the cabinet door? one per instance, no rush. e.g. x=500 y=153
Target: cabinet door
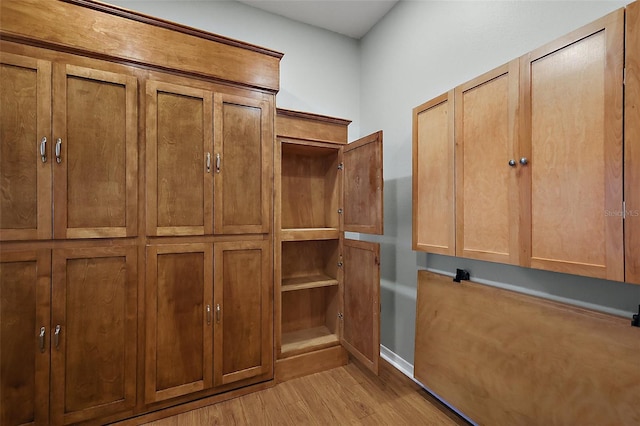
x=486 y=132
x=25 y=130
x=179 y=293
x=95 y=122
x=243 y=165
x=632 y=144
x=572 y=91
x=243 y=332
x=361 y=302
x=363 y=185
x=25 y=283
x=433 y=176
x=93 y=353
x=179 y=160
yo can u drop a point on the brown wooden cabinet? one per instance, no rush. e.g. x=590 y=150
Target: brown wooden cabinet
x=632 y=144
x=25 y=335
x=487 y=172
x=209 y=316
x=217 y=145
x=572 y=93
x=70 y=131
x=434 y=176
x=538 y=161
x=25 y=130
x=323 y=188
x=68 y=334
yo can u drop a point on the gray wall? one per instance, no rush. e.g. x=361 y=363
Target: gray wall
x=419 y=50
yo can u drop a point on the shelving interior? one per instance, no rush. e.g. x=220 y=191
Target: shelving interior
x=309 y=264
x=310 y=187
x=309 y=319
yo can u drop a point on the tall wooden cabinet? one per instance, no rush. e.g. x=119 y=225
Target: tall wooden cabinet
x=538 y=158
x=68 y=333
x=70 y=155
x=136 y=267
x=327 y=287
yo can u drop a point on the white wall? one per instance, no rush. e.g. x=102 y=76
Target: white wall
x=419 y=50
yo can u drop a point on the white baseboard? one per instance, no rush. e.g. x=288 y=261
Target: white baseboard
x=407 y=369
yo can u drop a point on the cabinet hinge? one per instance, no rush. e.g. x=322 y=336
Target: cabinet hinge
x=340 y=262
x=340 y=166
x=624 y=76
x=624 y=210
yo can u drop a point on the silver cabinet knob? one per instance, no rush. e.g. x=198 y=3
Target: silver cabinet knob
x=512 y=163
x=524 y=161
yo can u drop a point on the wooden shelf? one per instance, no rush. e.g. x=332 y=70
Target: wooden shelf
x=311 y=281
x=308 y=234
x=304 y=340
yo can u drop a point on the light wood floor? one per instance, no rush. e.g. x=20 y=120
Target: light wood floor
x=348 y=395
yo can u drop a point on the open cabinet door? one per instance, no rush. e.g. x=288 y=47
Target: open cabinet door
x=361 y=301
x=363 y=185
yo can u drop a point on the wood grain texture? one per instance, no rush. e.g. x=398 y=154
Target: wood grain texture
x=361 y=320
x=310 y=362
x=242 y=185
x=507 y=358
x=487 y=215
x=179 y=130
x=310 y=191
x=363 y=183
x=142 y=41
x=179 y=329
x=349 y=394
x=243 y=330
x=25 y=308
x=574 y=114
x=95 y=183
x=25 y=95
x=433 y=176
x=632 y=144
x=310 y=258
x=94 y=301
x=311 y=127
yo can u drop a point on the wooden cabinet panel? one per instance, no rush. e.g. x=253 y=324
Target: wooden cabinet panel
x=572 y=110
x=179 y=160
x=25 y=303
x=361 y=299
x=433 y=176
x=243 y=333
x=632 y=144
x=93 y=354
x=25 y=126
x=363 y=185
x=244 y=164
x=178 y=358
x=486 y=131
x=95 y=174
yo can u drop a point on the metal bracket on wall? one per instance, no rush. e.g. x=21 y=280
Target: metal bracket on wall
x=461 y=274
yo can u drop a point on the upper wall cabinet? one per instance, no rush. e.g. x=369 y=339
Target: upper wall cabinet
x=632 y=144
x=87 y=158
x=206 y=149
x=572 y=140
x=538 y=158
x=487 y=166
x=433 y=176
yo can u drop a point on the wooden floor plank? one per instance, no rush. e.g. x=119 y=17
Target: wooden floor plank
x=347 y=395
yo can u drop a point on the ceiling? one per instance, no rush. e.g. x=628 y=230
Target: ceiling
x=353 y=18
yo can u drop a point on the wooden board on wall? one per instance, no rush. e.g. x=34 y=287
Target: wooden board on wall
x=504 y=358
